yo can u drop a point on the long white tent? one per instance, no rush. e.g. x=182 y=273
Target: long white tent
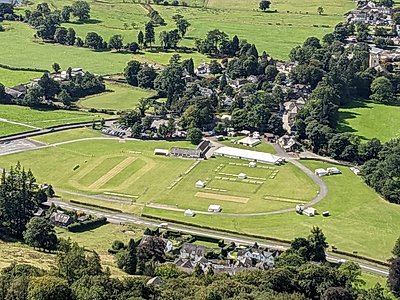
x=262 y=157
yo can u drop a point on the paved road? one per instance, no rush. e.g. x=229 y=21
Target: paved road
x=118 y=218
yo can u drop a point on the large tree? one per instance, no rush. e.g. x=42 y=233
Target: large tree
x=149 y=34
x=49 y=288
x=264 y=5
x=169 y=83
x=394 y=276
x=19 y=198
x=382 y=90
x=131 y=72
x=116 y=42
x=93 y=40
x=81 y=10
x=40 y=234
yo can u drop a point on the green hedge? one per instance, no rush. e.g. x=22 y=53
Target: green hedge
x=87 y=225
x=95 y=206
x=22 y=69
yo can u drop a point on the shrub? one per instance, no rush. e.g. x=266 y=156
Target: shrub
x=117 y=245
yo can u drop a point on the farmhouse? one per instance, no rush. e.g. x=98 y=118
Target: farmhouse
x=199 y=152
x=289 y=143
x=214 y=208
x=249 y=141
x=60 y=219
x=255 y=156
x=16 y=92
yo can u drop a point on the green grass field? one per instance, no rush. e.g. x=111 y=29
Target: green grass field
x=12 y=78
x=360 y=220
x=369 y=120
x=117 y=97
x=131 y=168
x=99 y=239
x=29 y=119
x=45 y=55
x=277 y=33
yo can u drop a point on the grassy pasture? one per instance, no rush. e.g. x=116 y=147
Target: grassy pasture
x=117 y=97
x=99 y=239
x=360 y=220
x=277 y=33
x=29 y=119
x=369 y=120
x=109 y=166
x=12 y=78
x=46 y=54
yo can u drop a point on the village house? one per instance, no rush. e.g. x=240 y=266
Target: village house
x=289 y=143
x=16 y=92
x=371 y=14
x=255 y=257
x=290 y=111
x=60 y=218
x=203 y=70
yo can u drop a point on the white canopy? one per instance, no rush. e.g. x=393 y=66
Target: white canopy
x=263 y=157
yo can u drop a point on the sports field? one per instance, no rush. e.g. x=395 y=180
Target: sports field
x=117 y=97
x=16 y=119
x=360 y=220
x=130 y=170
x=368 y=120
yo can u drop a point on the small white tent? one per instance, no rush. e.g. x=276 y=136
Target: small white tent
x=214 y=208
x=321 y=172
x=200 y=184
x=189 y=213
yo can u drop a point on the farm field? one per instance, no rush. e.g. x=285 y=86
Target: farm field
x=130 y=170
x=369 y=120
x=360 y=220
x=117 y=97
x=12 y=78
x=277 y=33
x=13 y=118
x=46 y=54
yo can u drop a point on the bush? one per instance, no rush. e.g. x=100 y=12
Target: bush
x=87 y=225
x=117 y=245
